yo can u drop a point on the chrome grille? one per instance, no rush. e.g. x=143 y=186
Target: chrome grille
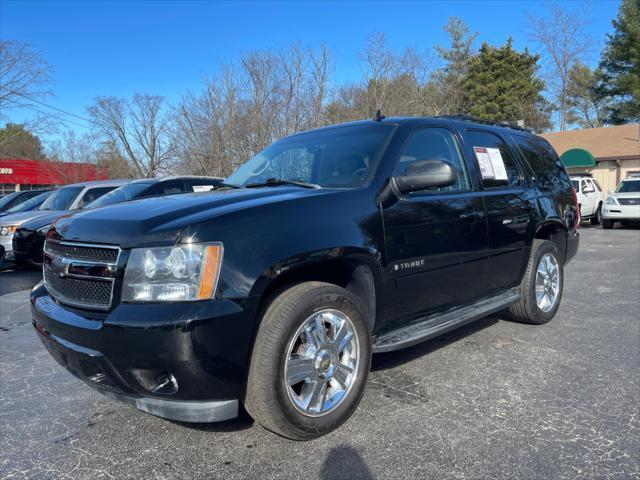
x=80 y=274
x=108 y=255
x=629 y=201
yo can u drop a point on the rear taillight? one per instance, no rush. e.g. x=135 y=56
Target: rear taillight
x=576 y=212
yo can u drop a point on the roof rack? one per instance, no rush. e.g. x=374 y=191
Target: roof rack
x=469 y=118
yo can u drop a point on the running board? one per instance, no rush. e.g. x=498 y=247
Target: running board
x=435 y=325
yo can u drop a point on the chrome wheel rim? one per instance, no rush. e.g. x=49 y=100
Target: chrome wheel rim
x=322 y=363
x=547 y=282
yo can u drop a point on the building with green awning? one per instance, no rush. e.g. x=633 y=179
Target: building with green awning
x=578 y=157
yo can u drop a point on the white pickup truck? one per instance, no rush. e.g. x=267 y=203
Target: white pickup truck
x=590 y=198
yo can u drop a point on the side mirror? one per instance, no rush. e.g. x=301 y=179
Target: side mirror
x=434 y=173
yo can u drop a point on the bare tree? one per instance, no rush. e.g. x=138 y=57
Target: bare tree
x=140 y=128
x=561 y=33
x=24 y=75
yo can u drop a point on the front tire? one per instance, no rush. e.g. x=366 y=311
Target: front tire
x=607 y=224
x=597 y=218
x=310 y=361
x=542 y=285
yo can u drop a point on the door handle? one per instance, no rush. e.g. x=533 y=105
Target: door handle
x=471 y=215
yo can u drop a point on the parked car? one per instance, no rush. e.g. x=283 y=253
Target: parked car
x=13 y=199
x=32 y=204
x=274 y=289
x=153 y=187
x=64 y=200
x=590 y=198
x=623 y=205
x=28 y=240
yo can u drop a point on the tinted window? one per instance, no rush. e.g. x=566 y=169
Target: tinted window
x=494 y=159
x=93 y=194
x=576 y=185
x=170 y=189
x=61 y=199
x=8 y=200
x=430 y=144
x=335 y=157
x=543 y=160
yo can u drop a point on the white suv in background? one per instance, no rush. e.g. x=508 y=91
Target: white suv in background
x=590 y=198
x=623 y=205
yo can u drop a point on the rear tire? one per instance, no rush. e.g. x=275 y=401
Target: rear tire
x=607 y=224
x=542 y=285
x=301 y=383
x=597 y=218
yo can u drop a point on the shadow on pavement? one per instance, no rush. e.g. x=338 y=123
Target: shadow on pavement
x=344 y=461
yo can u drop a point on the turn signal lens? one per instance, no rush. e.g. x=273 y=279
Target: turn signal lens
x=210 y=272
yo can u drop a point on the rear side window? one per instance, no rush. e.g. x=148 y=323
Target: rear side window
x=497 y=166
x=434 y=143
x=544 y=161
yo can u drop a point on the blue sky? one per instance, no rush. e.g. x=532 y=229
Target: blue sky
x=166 y=47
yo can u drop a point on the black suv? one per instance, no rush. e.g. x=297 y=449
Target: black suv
x=274 y=289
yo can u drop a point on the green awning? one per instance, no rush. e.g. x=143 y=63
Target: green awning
x=578 y=157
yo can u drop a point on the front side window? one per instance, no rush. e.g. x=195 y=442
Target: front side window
x=497 y=166
x=341 y=157
x=61 y=199
x=434 y=144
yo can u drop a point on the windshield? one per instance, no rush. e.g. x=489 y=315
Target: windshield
x=29 y=204
x=61 y=199
x=627 y=186
x=122 y=194
x=7 y=199
x=338 y=157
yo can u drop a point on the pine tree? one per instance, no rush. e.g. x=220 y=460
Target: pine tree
x=620 y=64
x=501 y=85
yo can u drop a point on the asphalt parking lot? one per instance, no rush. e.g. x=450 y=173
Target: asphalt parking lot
x=495 y=399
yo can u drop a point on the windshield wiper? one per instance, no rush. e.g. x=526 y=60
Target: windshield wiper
x=274 y=182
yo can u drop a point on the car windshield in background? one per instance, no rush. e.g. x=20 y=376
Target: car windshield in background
x=576 y=185
x=122 y=194
x=632 y=186
x=337 y=157
x=29 y=204
x=61 y=199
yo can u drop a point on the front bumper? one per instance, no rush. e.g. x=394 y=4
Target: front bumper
x=27 y=245
x=621 y=212
x=7 y=242
x=125 y=354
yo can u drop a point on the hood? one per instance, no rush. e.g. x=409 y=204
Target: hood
x=161 y=219
x=22 y=217
x=48 y=217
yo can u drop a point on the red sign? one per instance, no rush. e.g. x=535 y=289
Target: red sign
x=42 y=172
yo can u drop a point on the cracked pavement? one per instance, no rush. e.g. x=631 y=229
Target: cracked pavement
x=494 y=399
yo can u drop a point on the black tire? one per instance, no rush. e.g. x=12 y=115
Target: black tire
x=266 y=398
x=526 y=310
x=597 y=218
x=607 y=224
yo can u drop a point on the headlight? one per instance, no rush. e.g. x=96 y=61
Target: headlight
x=44 y=230
x=172 y=274
x=611 y=201
x=8 y=230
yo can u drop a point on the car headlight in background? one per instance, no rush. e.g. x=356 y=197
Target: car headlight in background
x=168 y=274
x=9 y=230
x=44 y=230
x=611 y=201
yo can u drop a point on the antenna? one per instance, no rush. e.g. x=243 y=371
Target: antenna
x=379 y=117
